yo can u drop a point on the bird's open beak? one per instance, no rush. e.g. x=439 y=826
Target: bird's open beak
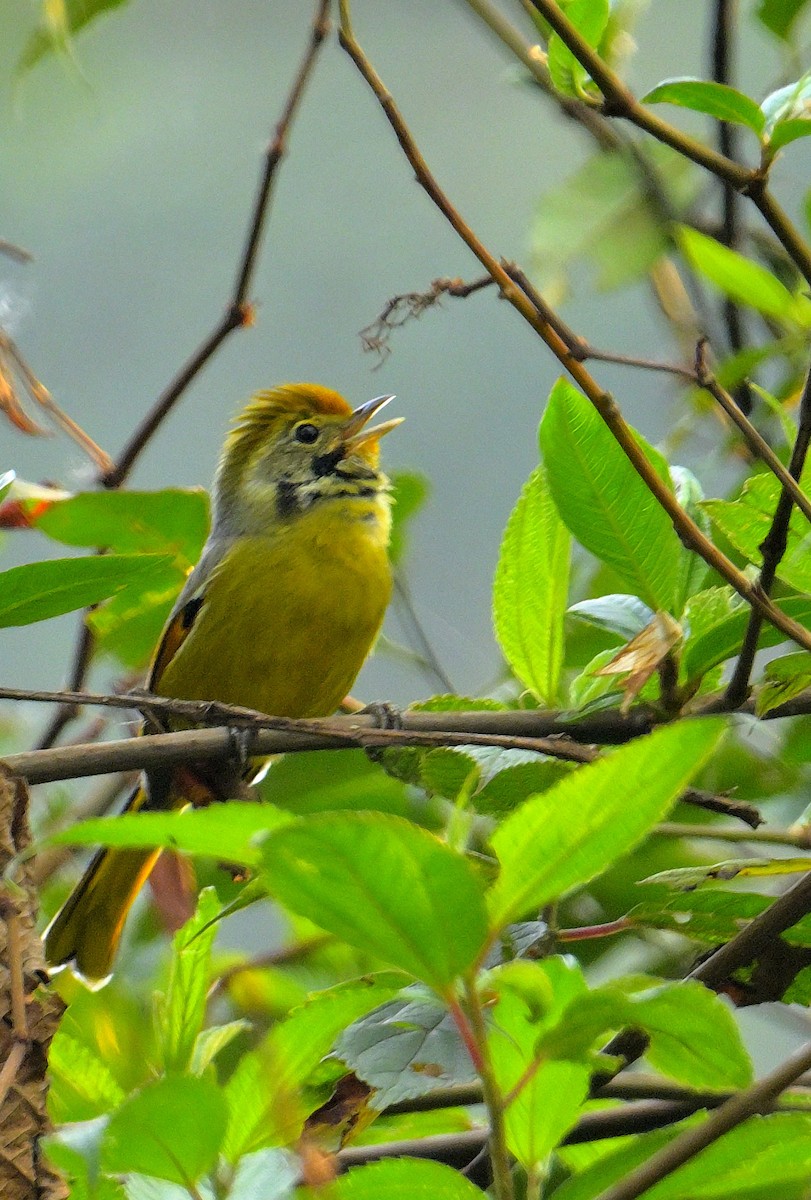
x=355 y=432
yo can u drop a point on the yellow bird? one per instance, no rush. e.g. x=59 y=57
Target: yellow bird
x=278 y=615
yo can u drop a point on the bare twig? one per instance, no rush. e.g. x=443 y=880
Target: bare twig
x=687 y=529
x=771 y=837
x=773 y=548
x=239 y=312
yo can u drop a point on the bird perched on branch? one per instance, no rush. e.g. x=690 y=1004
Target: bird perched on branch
x=278 y=615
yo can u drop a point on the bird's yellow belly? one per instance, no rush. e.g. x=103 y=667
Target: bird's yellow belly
x=287 y=621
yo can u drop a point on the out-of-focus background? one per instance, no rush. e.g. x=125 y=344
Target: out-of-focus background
x=129 y=171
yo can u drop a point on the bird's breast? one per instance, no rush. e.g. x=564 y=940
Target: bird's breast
x=287 y=620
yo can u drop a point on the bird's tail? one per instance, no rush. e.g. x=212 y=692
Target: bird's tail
x=87 y=929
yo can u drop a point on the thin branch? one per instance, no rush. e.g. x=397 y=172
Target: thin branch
x=432 y=665
x=773 y=837
x=239 y=312
x=493 y=1099
x=689 y=532
x=757 y=1099
x=772 y=548
x=755 y=440
x=68 y=710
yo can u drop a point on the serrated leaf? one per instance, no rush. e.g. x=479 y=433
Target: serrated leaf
x=715 y=99
x=172 y=1129
x=38 y=591
x=385 y=886
x=573 y=832
x=721 y=638
x=604 y=502
x=408 y=1047
x=82 y=1085
x=530 y=589
x=270 y=1174
x=183 y=1010
x=746 y=521
x=744 y=281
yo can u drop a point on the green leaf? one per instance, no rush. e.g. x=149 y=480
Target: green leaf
x=694 y=1037
x=602 y=214
x=408 y=1047
x=693 y=572
x=41 y=590
x=385 y=886
x=264 y=1106
x=715 y=99
x=82 y=1085
x=604 y=502
x=214 y=832
x=747 y=520
x=574 y=831
x=211 y=1041
x=721 y=639
x=788 y=103
x=589 y=18
x=409 y=491
x=784 y=678
x=742 y=280
x=544 y=1101
x=398 y=1179
x=624 y=615
x=779 y=15
x=530 y=589
x=785 y=132
x=183 y=1010
x=171 y=521
x=63 y=20
x=172 y=1129
x=754 y=1161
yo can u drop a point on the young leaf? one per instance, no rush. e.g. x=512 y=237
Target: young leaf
x=530 y=589
x=779 y=15
x=62 y=22
x=183 y=1009
x=172 y=1129
x=385 y=886
x=590 y=18
x=574 y=831
x=624 y=615
x=604 y=502
x=715 y=99
x=41 y=590
x=742 y=280
x=409 y=492
x=82 y=1085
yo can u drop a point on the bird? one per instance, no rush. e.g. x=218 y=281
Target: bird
x=279 y=614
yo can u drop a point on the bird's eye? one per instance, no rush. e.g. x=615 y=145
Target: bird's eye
x=306 y=433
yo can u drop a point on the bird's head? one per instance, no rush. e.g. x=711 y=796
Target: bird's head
x=293 y=447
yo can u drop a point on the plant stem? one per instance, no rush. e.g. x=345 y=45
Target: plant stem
x=494 y=1102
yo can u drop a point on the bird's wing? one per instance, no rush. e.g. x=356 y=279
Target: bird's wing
x=184 y=614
